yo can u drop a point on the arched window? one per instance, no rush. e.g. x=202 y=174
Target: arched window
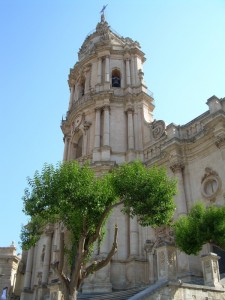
x=81 y=87
x=79 y=147
x=116 y=78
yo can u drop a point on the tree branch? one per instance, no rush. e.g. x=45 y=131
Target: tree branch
x=94 y=267
x=94 y=237
x=78 y=263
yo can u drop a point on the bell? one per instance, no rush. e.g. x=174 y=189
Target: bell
x=116 y=82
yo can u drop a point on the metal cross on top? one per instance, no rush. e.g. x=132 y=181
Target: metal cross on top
x=104 y=7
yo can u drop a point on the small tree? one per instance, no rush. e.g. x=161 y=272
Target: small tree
x=73 y=195
x=202 y=225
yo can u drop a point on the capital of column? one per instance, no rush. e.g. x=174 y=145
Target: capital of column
x=130 y=110
x=177 y=167
x=98 y=108
x=87 y=68
x=127 y=56
x=66 y=139
x=220 y=141
x=106 y=107
x=149 y=246
x=72 y=82
x=49 y=229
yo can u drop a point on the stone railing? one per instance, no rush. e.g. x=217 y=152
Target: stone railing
x=85 y=98
x=84 y=159
x=189 y=131
x=154 y=150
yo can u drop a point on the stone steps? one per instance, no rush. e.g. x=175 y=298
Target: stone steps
x=121 y=295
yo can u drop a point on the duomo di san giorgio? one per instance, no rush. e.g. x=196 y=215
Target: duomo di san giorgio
x=109 y=121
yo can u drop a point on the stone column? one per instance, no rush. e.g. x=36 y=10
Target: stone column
x=177 y=168
x=134 y=237
x=166 y=262
x=55 y=248
x=139 y=127
x=86 y=83
x=136 y=69
x=97 y=127
x=130 y=128
x=106 y=126
x=107 y=68
x=133 y=81
x=29 y=266
x=69 y=149
x=72 y=89
x=66 y=147
x=211 y=269
x=47 y=256
x=128 y=71
x=99 y=81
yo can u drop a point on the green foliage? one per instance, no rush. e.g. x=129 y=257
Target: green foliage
x=73 y=195
x=148 y=193
x=69 y=193
x=202 y=225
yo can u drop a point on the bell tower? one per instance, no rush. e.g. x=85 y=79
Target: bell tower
x=109 y=101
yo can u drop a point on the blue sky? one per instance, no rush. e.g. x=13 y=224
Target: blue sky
x=184 y=43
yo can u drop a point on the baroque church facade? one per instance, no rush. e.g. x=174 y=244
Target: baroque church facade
x=110 y=121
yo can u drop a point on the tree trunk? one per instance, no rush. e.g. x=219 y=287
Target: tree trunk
x=73 y=296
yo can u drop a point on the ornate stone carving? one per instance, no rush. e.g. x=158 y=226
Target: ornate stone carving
x=158 y=129
x=103 y=30
x=211 y=184
x=86 y=125
x=177 y=167
x=164 y=234
x=149 y=246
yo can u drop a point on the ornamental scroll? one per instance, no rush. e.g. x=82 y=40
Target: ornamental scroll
x=158 y=129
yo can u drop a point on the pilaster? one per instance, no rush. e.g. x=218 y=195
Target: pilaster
x=134 y=238
x=177 y=168
x=28 y=273
x=128 y=71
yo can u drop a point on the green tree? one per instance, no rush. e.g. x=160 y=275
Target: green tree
x=73 y=195
x=202 y=225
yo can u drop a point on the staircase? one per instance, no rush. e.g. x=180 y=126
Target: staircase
x=122 y=295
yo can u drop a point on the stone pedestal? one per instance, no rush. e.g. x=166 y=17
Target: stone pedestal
x=210 y=268
x=105 y=153
x=98 y=282
x=166 y=262
x=55 y=293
